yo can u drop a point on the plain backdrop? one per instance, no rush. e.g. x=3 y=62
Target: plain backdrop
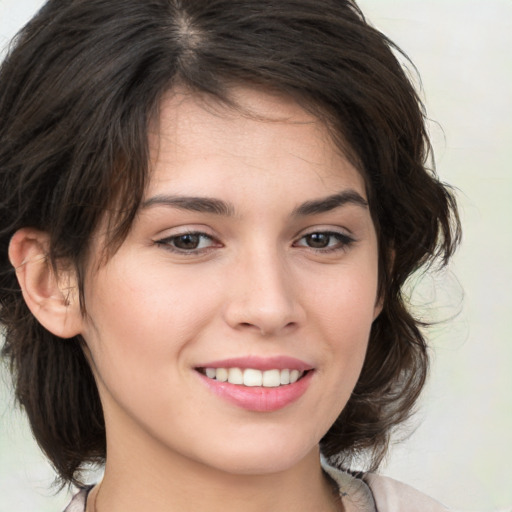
x=460 y=444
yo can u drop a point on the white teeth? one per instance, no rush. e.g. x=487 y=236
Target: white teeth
x=221 y=374
x=252 y=378
x=211 y=373
x=285 y=376
x=235 y=376
x=294 y=376
x=271 y=378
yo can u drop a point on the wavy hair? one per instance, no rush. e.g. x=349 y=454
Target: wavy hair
x=78 y=89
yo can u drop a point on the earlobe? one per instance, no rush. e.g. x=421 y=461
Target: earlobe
x=378 y=308
x=51 y=296
x=379 y=304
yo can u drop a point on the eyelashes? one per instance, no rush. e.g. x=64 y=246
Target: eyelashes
x=192 y=243
x=325 y=241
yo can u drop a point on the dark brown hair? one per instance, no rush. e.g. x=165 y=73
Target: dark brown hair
x=77 y=90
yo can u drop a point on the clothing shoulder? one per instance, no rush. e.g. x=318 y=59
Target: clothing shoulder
x=393 y=496
x=369 y=492
x=79 y=501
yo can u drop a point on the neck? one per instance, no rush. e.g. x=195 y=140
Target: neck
x=162 y=482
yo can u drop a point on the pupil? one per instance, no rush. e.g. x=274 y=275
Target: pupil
x=187 y=241
x=318 y=240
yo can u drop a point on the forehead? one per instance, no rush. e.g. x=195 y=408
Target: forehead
x=262 y=155
x=259 y=134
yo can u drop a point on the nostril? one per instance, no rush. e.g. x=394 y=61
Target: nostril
x=249 y=315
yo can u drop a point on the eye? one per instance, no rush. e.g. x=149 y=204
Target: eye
x=191 y=243
x=325 y=241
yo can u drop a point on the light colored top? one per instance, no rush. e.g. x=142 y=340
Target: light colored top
x=370 y=492
x=367 y=492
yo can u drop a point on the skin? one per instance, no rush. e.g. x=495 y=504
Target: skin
x=255 y=286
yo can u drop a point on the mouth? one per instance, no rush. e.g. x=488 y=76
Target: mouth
x=253 y=377
x=258 y=384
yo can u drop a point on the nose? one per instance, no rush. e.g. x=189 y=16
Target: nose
x=262 y=296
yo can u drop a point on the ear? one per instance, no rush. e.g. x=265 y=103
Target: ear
x=379 y=304
x=52 y=296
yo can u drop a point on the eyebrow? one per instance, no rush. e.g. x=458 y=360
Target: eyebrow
x=329 y=203
x=194 y=204
x=226 y=209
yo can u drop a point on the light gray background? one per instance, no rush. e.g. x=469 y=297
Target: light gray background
x=461 y=450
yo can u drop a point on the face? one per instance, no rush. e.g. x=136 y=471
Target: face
x=230 y=327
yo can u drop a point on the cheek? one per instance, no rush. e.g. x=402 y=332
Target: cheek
x=346 y=307
x=142 y=315
x=136 y=331
x=346 y=301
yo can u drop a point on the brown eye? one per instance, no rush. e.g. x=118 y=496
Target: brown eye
x=325 y=241
x=187 y=242
x=318 y=240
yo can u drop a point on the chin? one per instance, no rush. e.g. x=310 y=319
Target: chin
x=261 y=457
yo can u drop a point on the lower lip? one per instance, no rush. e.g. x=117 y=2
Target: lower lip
x=259 y=399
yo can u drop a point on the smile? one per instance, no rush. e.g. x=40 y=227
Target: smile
x=252 y=377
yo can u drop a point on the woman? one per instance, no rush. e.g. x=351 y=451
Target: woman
x=209 y=209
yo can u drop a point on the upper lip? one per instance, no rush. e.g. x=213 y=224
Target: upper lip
x=260 y=363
